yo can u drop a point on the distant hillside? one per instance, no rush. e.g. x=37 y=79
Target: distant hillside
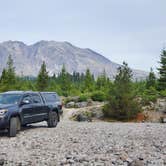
x=28 y=58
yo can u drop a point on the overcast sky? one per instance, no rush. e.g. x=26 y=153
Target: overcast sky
x=130 y=30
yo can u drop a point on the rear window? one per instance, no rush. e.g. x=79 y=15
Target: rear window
x=51 y=97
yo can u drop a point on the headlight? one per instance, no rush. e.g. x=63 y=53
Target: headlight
x=2 y=112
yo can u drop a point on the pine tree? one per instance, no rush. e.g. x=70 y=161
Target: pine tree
x=122 y=105
x=88 y=81
x=151 y=80
x=101 y=83
x=10 y=71
x=42 y=79
x=162 y=71
x=8 y=78
x=3 y=76
x=65 y=81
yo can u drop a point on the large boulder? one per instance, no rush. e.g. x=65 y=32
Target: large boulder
x=82 y=117
x=70 y=104
x=81 y=104
x=88 y=114
x=153 y=116
x=160 y=105
x=97 y=112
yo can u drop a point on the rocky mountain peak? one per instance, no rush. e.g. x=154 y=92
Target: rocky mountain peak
x=28 y=58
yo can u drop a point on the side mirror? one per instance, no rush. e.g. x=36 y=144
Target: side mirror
x=26 y=101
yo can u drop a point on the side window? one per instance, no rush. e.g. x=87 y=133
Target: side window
x=36 y=98
x=27 y=97
x=57 y=98
x=51 y=97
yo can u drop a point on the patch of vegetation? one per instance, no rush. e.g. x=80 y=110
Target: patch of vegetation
x=98 y=96
x=149 y=95
x=163 y=93
x=162 y=71
x=83 y=97
x=122 y=105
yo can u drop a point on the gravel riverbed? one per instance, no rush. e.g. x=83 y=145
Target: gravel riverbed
x=85 y=143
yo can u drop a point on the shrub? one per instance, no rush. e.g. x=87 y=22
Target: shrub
x=163 y=93
x=74 y=92
x=149 y=95
x=122 y=105
x=83 y=97
x=98 y=96
x=121 y=109
x=70 y=99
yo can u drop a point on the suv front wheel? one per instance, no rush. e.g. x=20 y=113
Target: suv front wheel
x=52 y=119
x=14 y=126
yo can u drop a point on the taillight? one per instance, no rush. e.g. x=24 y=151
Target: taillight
x=60 y=106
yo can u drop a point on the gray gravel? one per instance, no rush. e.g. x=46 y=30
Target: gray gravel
x=96 y=144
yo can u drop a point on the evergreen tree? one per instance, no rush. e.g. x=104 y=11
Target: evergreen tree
x=88 y=81
x=10 y=71
x=101 y=83
x=42 y=78
x=65 y=81
x=3 y=76
x=122 y=105
x=8 y=77
x=54 y=76
x=151 y=80
x=76 y=77
x=162 y=71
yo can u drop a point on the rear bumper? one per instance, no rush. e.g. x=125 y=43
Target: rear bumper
x=3 y=123
x=60 y=112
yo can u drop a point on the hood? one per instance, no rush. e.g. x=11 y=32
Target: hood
x=6 y=106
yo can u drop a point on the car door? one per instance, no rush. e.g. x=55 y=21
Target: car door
x=40 y=111
x=27 y=109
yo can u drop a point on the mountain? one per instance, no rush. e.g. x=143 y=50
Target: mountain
x=28 y=58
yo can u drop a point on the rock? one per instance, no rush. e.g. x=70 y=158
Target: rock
x=68 y=157
x=153 y=116
x=136 y=163
x=81 y=104
x=161 y=105
x=163 y=119
x=70 y=104
x=141 y=158
x=90 y=102
x=82 y=118
x=123 y=156
x=2 y=162
x=164 y=162
x=63 y=162
x=73 y=104
x=129 y=160
x=71 y=161
x=97 y=112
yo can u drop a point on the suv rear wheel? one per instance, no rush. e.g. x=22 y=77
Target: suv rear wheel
x=52 y=119
x=14 y=126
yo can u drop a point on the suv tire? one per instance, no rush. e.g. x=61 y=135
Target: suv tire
x=14 y=126
x=52 y=119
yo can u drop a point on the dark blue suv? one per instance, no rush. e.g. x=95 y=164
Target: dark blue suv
x=19 y=108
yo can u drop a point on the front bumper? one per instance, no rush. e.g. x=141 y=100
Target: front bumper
x=3 y=123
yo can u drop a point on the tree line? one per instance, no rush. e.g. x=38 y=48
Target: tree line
x=122 y=93
x=64 y=83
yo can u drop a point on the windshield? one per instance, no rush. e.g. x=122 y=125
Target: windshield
x=9 y=98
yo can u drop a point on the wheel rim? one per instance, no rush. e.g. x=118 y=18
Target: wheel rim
x=18 y=125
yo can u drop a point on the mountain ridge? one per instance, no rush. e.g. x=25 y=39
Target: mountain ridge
x=28 y=58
